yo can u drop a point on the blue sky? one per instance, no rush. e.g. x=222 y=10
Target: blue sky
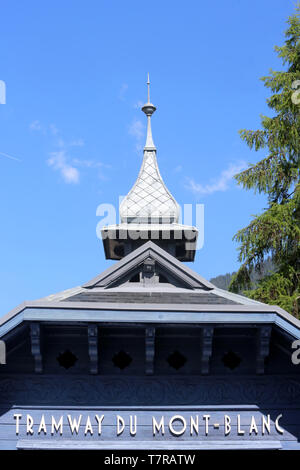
x=71 y=131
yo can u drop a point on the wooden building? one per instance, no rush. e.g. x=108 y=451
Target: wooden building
x=149 y=354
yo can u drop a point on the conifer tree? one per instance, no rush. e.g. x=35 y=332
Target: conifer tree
x=275 y=232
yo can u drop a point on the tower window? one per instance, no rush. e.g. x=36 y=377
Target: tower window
x=119 y=251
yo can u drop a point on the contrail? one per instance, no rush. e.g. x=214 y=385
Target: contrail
x=10 y=156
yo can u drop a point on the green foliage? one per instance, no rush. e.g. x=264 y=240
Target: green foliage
x=280 y=288
x=275 y=232
x=223 y=280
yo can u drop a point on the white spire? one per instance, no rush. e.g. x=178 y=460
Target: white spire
x=148 y=84
x=149 y=201
x=149 y=109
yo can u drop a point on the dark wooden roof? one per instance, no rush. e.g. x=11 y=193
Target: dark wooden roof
x=151 y=297
x=178 y=296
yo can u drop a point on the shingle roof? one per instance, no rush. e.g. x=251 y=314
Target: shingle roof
x=112 y=286
x=151 y=298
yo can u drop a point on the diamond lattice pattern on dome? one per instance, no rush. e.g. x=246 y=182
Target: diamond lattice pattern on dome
x=149 y=198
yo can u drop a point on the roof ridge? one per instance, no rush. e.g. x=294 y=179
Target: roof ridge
x=166 y=259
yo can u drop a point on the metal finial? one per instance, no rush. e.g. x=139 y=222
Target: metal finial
x=148 y=84
x=149 y=109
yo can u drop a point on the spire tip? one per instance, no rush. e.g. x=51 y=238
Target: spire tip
x=149 y=109
x=148 y=85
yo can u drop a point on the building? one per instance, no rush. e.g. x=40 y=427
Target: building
x=149 y=354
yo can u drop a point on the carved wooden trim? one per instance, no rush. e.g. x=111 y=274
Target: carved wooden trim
x=149 y=350
x=263 y=347
x=207 y=334
x=35 y=336
x=68 y=390
x=93 y=348
x=148 y=272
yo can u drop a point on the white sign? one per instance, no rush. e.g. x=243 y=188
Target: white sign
x=176 y=425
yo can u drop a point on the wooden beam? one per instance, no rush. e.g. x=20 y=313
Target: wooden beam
x=207 y=334
x=263 y=347
x=93 y=347
x=149 y=350
x=35 y=335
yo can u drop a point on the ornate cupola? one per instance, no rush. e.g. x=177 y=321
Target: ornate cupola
x=149 y=211
x=149 y=201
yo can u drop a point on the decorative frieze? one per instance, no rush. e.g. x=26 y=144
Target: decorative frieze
x=149 y=391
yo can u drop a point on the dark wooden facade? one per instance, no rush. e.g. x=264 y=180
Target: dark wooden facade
x=149 y=355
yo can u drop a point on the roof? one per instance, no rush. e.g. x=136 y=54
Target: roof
x=109 y=298
x=149 y=199
x=152 y=297
x=149 y=211
x=149 y=249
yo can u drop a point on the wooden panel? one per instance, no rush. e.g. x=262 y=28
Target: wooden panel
x=75 y=390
